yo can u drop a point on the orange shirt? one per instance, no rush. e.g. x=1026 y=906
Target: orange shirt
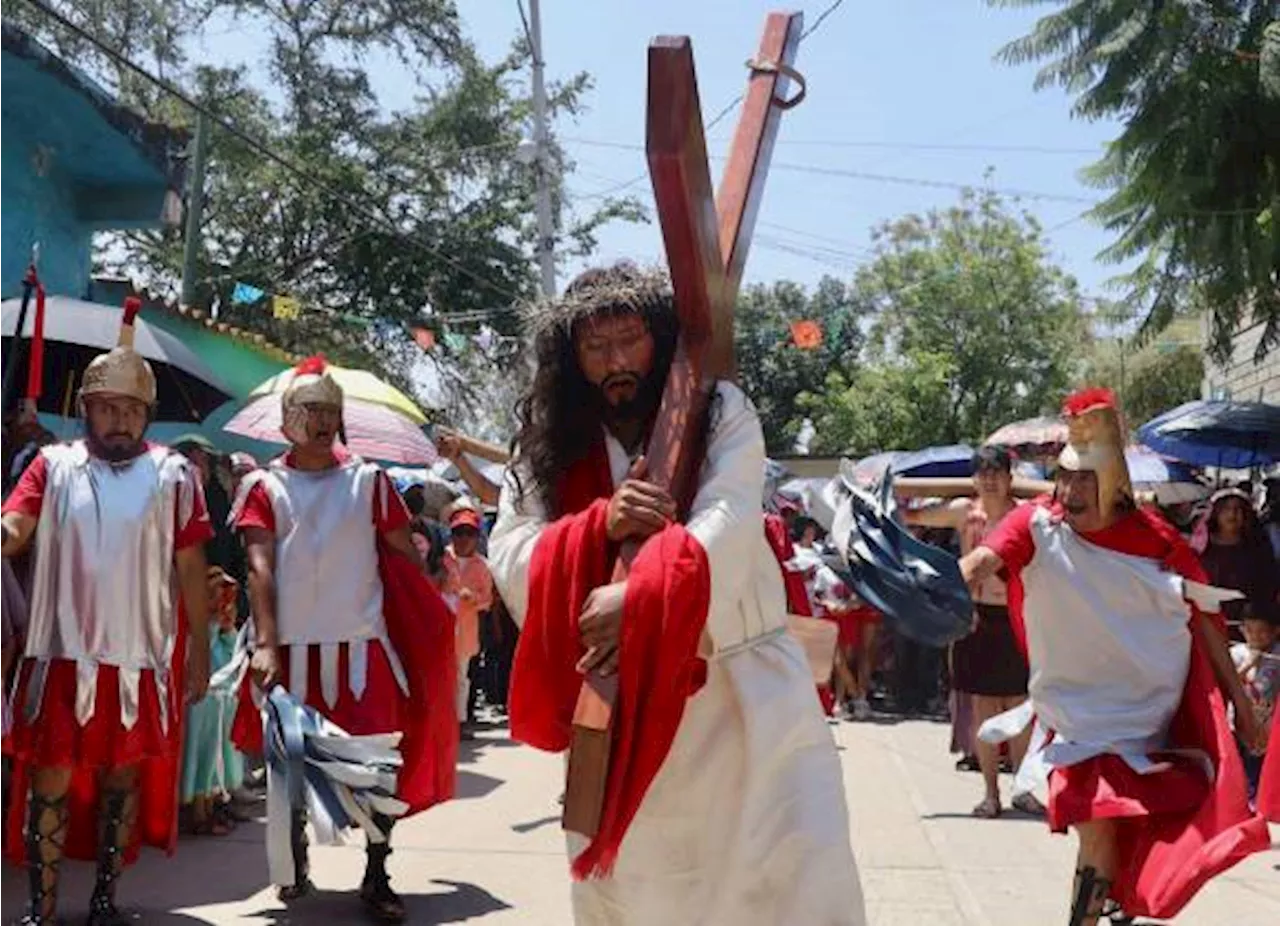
x=467 y=580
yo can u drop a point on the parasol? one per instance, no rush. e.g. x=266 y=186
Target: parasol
x=953 y=460
x=76 y=331
x=1171 y=482
x=372 y=430
x=1234 y=435
x=356 y=384
x=1047 y=434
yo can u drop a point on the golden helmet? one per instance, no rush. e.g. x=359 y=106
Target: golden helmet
x=1095 y=442
x=122 y=370
x=310 y=384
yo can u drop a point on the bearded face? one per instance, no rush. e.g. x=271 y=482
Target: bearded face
x=616 y=355
x=115 y=426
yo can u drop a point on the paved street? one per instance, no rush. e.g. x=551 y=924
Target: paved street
x=494 y=856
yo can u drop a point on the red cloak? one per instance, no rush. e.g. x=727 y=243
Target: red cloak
x=1176 y=831
x=101 y=743
x=665 y=610
x=420 y=628
x=1269 y=786
x=775 y=531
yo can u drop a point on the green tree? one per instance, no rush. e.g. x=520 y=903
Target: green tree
x=973 y=326
x=772 y=369
x=416 y=217
x=1151 y=380
x=1196 y=169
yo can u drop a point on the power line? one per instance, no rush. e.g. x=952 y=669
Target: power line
x=893 y=145
x=715 y=120
x=299 y=173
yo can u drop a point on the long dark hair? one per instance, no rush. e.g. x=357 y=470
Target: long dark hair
x=561 y=414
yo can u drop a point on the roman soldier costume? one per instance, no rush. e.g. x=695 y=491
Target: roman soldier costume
x=101 y=682
x=363 y=637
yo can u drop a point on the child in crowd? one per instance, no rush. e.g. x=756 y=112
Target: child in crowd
x=1257 y=661
x=211 y=767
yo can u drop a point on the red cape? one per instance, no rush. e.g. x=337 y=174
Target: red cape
x=668 y=594
x=1166 y=857
x=1269 y=786
x=775 y=531
x=420 y=627
x=157 y=820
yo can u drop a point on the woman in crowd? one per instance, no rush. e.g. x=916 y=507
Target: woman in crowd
x=1236 y=554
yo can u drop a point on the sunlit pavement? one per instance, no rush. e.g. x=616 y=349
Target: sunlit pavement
x=495 y=854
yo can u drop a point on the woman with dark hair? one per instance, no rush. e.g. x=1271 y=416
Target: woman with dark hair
x=987 y=665
x=1236 y=554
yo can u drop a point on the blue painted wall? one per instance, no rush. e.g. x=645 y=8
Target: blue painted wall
x=72 y=162
x=40 y=208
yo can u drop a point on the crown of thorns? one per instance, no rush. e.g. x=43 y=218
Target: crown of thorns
x=618 y=290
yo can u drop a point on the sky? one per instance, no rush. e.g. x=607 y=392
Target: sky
x=908 y=91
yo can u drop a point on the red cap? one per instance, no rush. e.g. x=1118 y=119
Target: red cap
x=465 y=517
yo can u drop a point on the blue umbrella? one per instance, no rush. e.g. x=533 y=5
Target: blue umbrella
x=935 y=462
x=1235 y=435
x=1171 y=481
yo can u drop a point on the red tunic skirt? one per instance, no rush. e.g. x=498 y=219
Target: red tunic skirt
x=54 y=738
x=383 y=708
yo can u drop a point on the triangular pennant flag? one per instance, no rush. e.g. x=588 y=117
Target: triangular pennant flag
x=806 y=335
x=244 y=294
x=285 y=307
x=424 y=338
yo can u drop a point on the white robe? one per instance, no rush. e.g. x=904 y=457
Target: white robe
x=746 y=822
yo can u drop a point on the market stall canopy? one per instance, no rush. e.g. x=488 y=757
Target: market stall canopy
x=76 y=331
x=1234 y=435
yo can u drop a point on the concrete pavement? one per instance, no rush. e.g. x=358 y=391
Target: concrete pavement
x=495 y=856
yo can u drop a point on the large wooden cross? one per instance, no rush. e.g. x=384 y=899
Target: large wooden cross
x=706 y=239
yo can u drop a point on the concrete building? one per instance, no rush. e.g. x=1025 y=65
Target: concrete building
x=73 y=162
x=1240 y=378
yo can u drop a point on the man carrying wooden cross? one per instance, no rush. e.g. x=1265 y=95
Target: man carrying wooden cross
x=722 y=801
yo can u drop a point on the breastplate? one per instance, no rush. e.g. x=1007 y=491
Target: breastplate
x=103 y=589
x=327 y=584
x=1107 y=636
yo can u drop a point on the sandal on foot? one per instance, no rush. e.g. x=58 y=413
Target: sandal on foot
x=382 y=903
x=988 y=809
x=288 y=893
x=1029 y=804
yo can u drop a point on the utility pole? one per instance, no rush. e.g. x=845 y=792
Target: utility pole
x=195 y=211
x=542 y=161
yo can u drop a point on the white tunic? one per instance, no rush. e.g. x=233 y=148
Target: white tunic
x=746 y=821
x=328 y=591
x=1109 y=646
x=104 y=592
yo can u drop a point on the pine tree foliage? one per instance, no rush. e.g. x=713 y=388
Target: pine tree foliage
x=1196 y=170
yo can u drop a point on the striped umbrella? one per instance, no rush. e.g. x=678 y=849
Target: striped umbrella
x=373 y=430
x=1047 y=433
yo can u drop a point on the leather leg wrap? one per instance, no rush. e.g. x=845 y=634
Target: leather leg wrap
x=1091 y=890
x=46 y=834
x=116 y=811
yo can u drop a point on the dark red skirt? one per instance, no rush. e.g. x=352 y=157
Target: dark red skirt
x=1106 y=788
x=55 y=739
x=851 y=623
x=383 y=708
